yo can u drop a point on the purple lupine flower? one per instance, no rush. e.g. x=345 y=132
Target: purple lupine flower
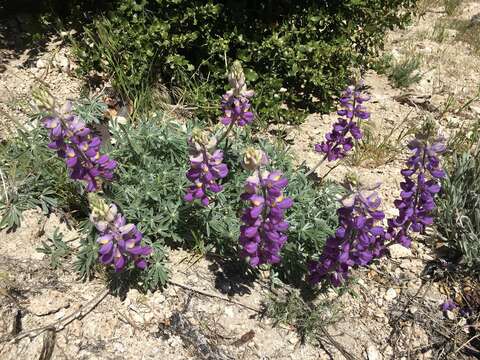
x=448 y=305
x=262 y=234
x=80 y=148
x=420 y=185
x=236 y=106
x=120 y=243
x=206 y=168
x=357 y=241
x=341 y=139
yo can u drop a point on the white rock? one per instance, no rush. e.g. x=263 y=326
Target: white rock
x=398 y=251
x=475 y=109
x=450 y=315
x=120 y=119
x=390 y=294
x=61 y=61
x=373 y=353
x=41 y=64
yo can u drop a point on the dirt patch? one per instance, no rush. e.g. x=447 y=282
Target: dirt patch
x=52 y=68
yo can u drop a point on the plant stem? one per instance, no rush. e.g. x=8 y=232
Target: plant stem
x=225 y=134
x=316 y=166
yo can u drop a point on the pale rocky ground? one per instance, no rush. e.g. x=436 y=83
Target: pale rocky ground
x=390 y=312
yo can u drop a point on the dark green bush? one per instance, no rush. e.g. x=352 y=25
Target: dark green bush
x=297 y=54
x=459 y=208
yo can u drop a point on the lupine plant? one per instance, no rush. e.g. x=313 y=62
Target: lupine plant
x=119 y=242
x=236 y=107
x=358 y=240
x=206 y=168
x=419 y=187
x=346 y=130
x=262 y=234
x=206 y=162
x=263 y=226
x=76 y=143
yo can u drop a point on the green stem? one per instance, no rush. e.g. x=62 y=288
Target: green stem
x=225 y=134
x=316 y=166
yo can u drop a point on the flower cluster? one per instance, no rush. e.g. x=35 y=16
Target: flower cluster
x=357 y=241
x=236 y=107
x=75 y=143
x=419 y=187
x=341 y=139
x=119 y=242
x=262 y=234
x=206 y=168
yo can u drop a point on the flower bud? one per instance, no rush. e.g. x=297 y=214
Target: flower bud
x=98 y=206
x=236 y=77
x=112 y=213
x=254 y=158
x=200 y=139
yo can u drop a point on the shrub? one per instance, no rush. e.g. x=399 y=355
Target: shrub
x=459 y=208
x=148 y=190
x=297 y=53
x=152 y=184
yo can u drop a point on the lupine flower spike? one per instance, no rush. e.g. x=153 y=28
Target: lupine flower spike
x=206 y=168
x=346 y=131
x=419 y=187
x=236 y=107
x=358 y=240
x=120 y=243
x=262 y=234
x=76 y=143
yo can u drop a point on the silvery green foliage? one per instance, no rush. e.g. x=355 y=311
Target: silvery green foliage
x=151 y=186
x=459 y=208
x=149 y=191
x=31 y=176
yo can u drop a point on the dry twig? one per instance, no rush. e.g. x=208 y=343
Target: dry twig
x=60 y=324
x=201 y=292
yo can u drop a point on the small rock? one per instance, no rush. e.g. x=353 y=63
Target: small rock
x=293 y=339
x=61 y=61
x=450 y=315
x=41 y=64
x=426 y=257
x=413 y=309
x=121 y=120
x=390 y=294
x=398 y=251
x=373 y=353
x=475 y=109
